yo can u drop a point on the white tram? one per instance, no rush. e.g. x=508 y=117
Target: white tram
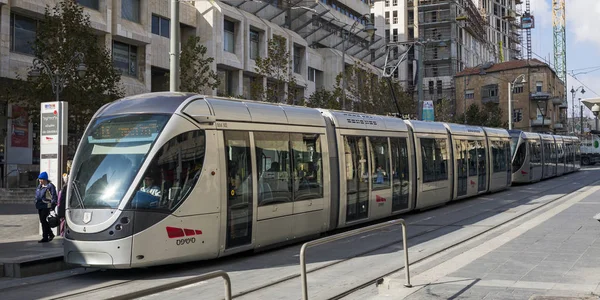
x=541 y=156
x=164 y=178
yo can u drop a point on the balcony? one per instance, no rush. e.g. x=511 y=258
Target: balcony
x=538 y=122
x=540 y=96
x=559 y=126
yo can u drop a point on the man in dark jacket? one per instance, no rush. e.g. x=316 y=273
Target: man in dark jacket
x=45 y=200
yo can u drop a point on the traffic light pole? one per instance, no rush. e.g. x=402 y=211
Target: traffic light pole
x=510 y=116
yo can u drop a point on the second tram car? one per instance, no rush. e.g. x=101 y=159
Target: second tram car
x=541 y=156
x=165 y=178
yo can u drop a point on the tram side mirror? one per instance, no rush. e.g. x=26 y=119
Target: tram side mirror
x=597 y=217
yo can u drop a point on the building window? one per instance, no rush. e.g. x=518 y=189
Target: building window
x=518 y=88
x=395 y=14
x=489 y=92
x=469 y=94
x=225 y=83
x=161 y=26
x=130 y=10
x=311 y=74
x=538 y=86
x=297 y=59
x=395 y=2
x=254 y=40
x=387 y=3
x=23 y=31
x=438 y=85
x=125 y=58
x=229 y=36
x=395 y=35
x=93 y=4
x=430 y=87
x=387 y=17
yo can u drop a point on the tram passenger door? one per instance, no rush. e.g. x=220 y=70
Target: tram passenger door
x=481 y=166
x=473 y=162
x=461 y=166
x=239 y=189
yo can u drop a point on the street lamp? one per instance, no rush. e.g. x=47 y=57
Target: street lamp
x=573 y=92
x=58 y=79
x=370 y=30
x=511 y=86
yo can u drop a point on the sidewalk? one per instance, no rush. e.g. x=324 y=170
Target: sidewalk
x=552 y=254
x=20 y=253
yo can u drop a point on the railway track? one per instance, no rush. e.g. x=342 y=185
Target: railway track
x=129 y=280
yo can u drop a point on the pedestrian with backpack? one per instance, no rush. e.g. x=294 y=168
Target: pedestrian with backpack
x=45 y=200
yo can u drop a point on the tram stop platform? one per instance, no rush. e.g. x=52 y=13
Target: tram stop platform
x=20 y=253
x=551 y=253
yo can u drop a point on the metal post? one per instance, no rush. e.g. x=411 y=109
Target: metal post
x=344 y=72
x=465 y=98
x=349 y=234
x=174 y=64
x=510 y=118
x=581 y=119
x=420 y=69
x=573 y=110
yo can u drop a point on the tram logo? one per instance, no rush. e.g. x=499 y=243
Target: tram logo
x=472 y=183
x=174 y=232
x=379 y=199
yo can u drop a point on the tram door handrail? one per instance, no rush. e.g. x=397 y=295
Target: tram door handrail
x=349 y=234
x=177 y=284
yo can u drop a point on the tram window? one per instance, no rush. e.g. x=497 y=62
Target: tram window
x=357 y=178
x=472 y=158
x=239 y=188
x=273 y=166
x=519 y=157
x=399 y=173
x=308 y=166
x=172 y=174
x=434 y=159
x=499 y=155
x=380 y=157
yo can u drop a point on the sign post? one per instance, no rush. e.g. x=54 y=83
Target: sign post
x=53 y=140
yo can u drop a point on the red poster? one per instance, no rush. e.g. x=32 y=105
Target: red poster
x=19 y=133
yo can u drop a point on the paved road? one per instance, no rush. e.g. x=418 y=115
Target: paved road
x=429 y=233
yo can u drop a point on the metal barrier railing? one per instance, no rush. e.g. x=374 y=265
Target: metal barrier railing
x=349 y=234
x=177 y=284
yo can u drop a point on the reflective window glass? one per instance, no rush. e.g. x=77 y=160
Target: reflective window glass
x=380 y=177
x=357 y=178
x=400 y=175
x=308 y=166
x=172 y=174
x=273 y=167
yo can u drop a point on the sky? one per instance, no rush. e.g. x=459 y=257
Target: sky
x=583 y=44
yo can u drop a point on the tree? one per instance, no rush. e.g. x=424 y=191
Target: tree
x=322 y=98
x=196 y=73
x=489 y=116
x=66 y=30
x=443 y=111
x=277 y=69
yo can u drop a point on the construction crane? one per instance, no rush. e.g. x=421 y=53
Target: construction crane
x=560 y=43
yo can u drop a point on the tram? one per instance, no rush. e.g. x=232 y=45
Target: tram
x=541 y=156
x=165 y=178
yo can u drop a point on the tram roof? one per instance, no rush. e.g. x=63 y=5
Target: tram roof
x=253 y=111
x=496 y=132
x=547 y=137
x=460 y=129
x=353 y=120
x=162 y=102
x=427 y=127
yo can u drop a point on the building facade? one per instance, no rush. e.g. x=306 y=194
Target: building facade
x=454 y=35
x=317 y=34
x=537 y=103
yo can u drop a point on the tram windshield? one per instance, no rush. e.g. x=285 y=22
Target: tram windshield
x=111 y=153
x=519 y=157
x=514 y=141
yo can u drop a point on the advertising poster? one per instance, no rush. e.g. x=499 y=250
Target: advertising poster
x=19 y=131
x=428 y=111
x=49 y=140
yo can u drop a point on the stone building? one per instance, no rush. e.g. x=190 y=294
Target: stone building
x=537 y=103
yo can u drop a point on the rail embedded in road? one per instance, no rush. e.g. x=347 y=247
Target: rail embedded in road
x=349 y=234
